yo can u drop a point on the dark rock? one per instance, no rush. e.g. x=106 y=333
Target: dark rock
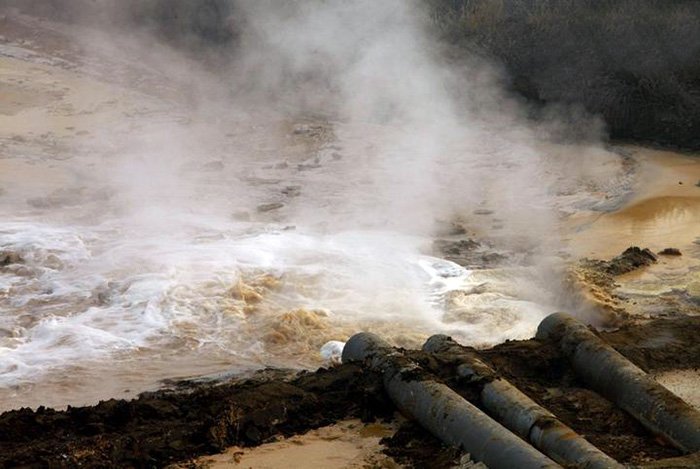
x=445 y=228
x=632 y=259
x=455 y=247
x=270 y=207
x=306 y=167
x=256 y=181
x=292 y=191
x=671 y=252
x=9 y=258
x=468 y=253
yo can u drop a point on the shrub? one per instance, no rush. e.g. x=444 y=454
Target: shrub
x=634 y=62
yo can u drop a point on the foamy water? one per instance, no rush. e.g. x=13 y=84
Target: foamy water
x=83 y=293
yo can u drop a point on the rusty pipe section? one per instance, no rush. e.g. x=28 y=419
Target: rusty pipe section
x=442 y=411
x=522 y=415
x=612 y=375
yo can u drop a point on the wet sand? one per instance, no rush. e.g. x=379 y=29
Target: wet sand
x=349 y=444
x=663 y=211
x=683 y=383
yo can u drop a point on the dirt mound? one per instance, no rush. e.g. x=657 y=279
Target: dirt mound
x=196 y=418
x=659 y=345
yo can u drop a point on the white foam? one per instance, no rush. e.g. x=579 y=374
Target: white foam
x=154 y=287
x=332 y=351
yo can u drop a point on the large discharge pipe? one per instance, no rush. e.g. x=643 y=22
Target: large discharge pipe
x=442 y=411
x=522 y=415
x=609 y=373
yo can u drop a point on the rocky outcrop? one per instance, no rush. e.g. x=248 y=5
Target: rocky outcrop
x=631 y=259
x=594 y=279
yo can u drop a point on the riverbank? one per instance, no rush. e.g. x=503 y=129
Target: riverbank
x=194 y=418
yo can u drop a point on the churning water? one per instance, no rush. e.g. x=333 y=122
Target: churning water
x=148 y=232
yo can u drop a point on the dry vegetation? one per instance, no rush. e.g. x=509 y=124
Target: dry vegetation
x=634 y=62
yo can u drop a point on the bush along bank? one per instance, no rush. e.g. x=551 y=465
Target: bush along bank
x=632 y=62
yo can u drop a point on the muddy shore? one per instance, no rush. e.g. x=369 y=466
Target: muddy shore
x=191 y=419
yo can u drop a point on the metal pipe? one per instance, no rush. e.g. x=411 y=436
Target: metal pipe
x=442 y=411
x=522 y=415
x=612 y=375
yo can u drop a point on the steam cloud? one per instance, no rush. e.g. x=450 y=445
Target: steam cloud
x=432 y=138
x=328 y=144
